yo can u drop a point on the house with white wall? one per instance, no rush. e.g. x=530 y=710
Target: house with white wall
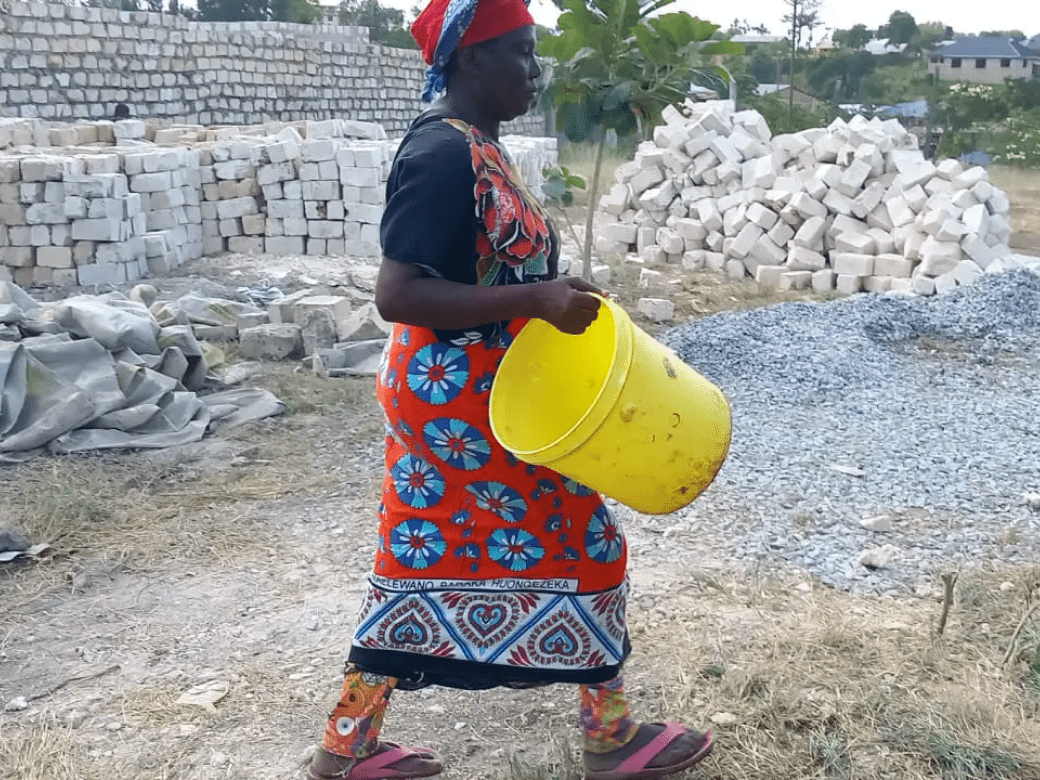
x=985 y=59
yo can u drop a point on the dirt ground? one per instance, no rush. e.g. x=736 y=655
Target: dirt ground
x=231 y=571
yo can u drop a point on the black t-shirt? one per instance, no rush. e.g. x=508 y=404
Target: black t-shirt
x=432 y=218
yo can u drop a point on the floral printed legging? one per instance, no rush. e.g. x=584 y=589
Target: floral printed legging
x=354 y=726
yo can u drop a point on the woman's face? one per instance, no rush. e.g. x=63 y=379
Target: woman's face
x=509 y=70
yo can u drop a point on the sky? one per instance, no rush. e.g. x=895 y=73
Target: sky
x=965 y=18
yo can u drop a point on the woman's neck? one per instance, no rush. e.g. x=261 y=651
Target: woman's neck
x=466 y=109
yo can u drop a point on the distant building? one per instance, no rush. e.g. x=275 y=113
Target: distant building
x=880 y=46
x=826 y=43
x=752 y=39
x=782 y=92
x=985 y=59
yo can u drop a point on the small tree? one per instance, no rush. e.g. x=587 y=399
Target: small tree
x=385 y=25
x=617 y=66
x=854 y=38
x=804 y=15
x=901 y=28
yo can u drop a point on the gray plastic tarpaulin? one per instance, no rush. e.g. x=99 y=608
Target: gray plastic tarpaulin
x=91 y=373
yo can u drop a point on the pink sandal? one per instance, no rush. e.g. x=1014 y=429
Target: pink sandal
x=635 y=766
x=329 y=766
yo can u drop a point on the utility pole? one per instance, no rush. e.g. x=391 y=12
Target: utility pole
x=794 y=46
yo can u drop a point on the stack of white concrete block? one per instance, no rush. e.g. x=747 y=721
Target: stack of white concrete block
x=74 y=221
x=230 y=208
x=286 y=194
x=107 y=214
x=854 y=206
x=167 y=184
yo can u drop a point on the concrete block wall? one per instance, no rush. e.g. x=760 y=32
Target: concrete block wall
x=69 y=62
x=120 y=206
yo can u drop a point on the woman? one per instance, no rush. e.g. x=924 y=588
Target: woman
x=489 y=571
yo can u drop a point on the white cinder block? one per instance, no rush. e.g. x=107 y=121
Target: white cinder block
x=854 y=242
x=966 y=272
x=899 y=211
x=745 y=240
x=883 y=240
x=823 y=279
x=851 y=264
x=781 y=233
x=877 y=284
x=810 y=234
x=853 y=178
x=976 y=219
x=978 y=250
x=923 y=285
x=769 y=275
x=656 y=309
x=799 y=258
x=848 y=283
x=939 y=257
x=761 y=216
x=670 y=241
x=970 y=177
x=951 y=230
x=646 y=178
x=893 y=265
x=806 y=206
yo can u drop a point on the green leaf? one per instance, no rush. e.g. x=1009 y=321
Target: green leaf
x=568 y=198
x=721 y=47
x=553 y=188
x=683 y=28
x=574 y=181
x=575 y=121
x=649 y=43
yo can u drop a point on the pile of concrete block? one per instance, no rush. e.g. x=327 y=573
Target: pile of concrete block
x=850 y=207
x=69 y=221
x=167 y=184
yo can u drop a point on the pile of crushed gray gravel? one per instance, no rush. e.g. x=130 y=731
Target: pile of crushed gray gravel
x=919 y=417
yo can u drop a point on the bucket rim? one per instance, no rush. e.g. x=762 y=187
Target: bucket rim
x=607 y=395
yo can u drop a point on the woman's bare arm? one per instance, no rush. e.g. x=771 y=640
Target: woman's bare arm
x=404 y=295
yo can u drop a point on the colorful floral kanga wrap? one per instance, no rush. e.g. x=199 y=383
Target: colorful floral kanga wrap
x=489 y=571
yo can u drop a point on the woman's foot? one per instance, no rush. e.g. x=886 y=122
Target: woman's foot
x=389 y=761
x=657 y=749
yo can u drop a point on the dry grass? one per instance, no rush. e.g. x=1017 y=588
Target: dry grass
x=827 y=685
x=147 y=510
x=1023 y=190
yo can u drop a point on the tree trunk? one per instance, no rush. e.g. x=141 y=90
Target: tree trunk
x=586 y=256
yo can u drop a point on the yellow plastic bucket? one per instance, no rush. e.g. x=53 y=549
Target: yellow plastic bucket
x=612 y=409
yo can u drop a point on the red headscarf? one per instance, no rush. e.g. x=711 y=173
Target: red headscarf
x=491 y=19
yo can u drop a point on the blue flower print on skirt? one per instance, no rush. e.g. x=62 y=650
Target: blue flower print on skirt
x=501 y=499
x=417 y=483
x=576 y=488
x=457 y=443
x=417 y=543
x=482 y=384
x=438 y=373
x=514 y=549
x=604 y=540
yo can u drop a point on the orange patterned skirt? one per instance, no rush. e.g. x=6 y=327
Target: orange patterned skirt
x=489 y=571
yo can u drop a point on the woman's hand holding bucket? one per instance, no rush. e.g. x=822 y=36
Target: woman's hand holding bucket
x=569 y=304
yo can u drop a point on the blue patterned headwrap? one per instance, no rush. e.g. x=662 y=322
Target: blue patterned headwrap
x=456 y=21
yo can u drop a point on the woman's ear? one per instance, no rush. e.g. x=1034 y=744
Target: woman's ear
x=467 y=59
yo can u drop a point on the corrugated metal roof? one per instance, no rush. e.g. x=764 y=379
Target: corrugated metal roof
x=987 y=46
x=914 y=109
